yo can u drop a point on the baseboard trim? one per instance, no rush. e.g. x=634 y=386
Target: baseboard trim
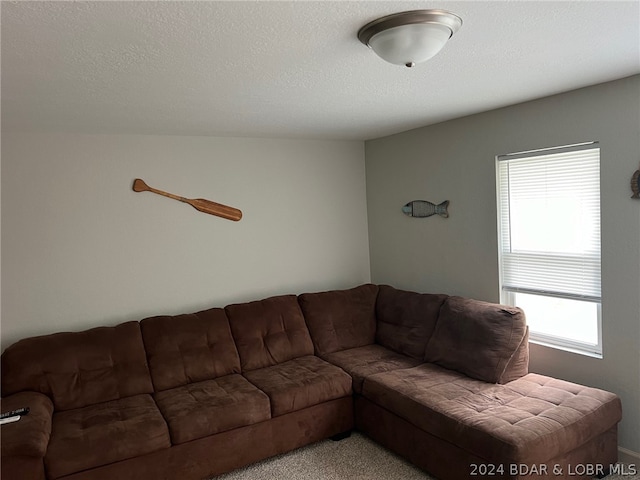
x=628 y=456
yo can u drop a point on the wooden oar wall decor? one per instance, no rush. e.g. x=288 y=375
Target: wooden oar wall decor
x=200 y=204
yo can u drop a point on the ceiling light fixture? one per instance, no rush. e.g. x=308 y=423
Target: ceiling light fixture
x=408 y=38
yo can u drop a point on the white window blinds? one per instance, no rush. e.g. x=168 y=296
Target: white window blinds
x=549 y=222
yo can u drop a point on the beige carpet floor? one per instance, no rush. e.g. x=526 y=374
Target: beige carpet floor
x=354 y=458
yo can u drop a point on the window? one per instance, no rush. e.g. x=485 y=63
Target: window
x=549 y=243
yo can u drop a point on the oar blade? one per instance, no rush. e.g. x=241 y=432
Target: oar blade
x=217 y=209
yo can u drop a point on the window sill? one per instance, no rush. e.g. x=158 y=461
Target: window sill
x=566 y=348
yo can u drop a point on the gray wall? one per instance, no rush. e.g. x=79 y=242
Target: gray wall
x=80 y=248
x=456 y=161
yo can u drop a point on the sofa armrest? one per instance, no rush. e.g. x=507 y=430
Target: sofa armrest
x=518 y=365
x=28 y=437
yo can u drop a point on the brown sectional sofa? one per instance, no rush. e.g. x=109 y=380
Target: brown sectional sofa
x=441 y=380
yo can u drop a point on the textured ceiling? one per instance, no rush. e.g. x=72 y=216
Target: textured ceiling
x=293 y=68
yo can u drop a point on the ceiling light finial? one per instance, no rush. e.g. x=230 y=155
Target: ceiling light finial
x=408 y=38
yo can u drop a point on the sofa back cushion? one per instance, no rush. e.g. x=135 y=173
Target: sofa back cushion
x=80 y=368
x=189 y=348
x=406 y=320
x=268 y=332
x=341 y=319
x=477 y=338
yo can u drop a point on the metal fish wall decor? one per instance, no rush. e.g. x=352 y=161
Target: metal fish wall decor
x=635 y=184
x=422 y=208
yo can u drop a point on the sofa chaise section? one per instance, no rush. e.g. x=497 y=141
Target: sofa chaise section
x=533 y=421
x=465 y=404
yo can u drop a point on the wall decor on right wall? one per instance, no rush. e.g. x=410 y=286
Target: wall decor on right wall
x=422 y=209
x=635 y=184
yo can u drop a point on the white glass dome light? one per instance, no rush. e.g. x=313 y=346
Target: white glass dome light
x=412 y=37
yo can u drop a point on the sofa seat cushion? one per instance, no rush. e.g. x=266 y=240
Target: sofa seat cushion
x=364 y=361
x=205 y=408
x=530 y=420
x=300 y=383
x=105 y=433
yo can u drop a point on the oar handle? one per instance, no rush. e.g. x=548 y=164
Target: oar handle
x=167 y=194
